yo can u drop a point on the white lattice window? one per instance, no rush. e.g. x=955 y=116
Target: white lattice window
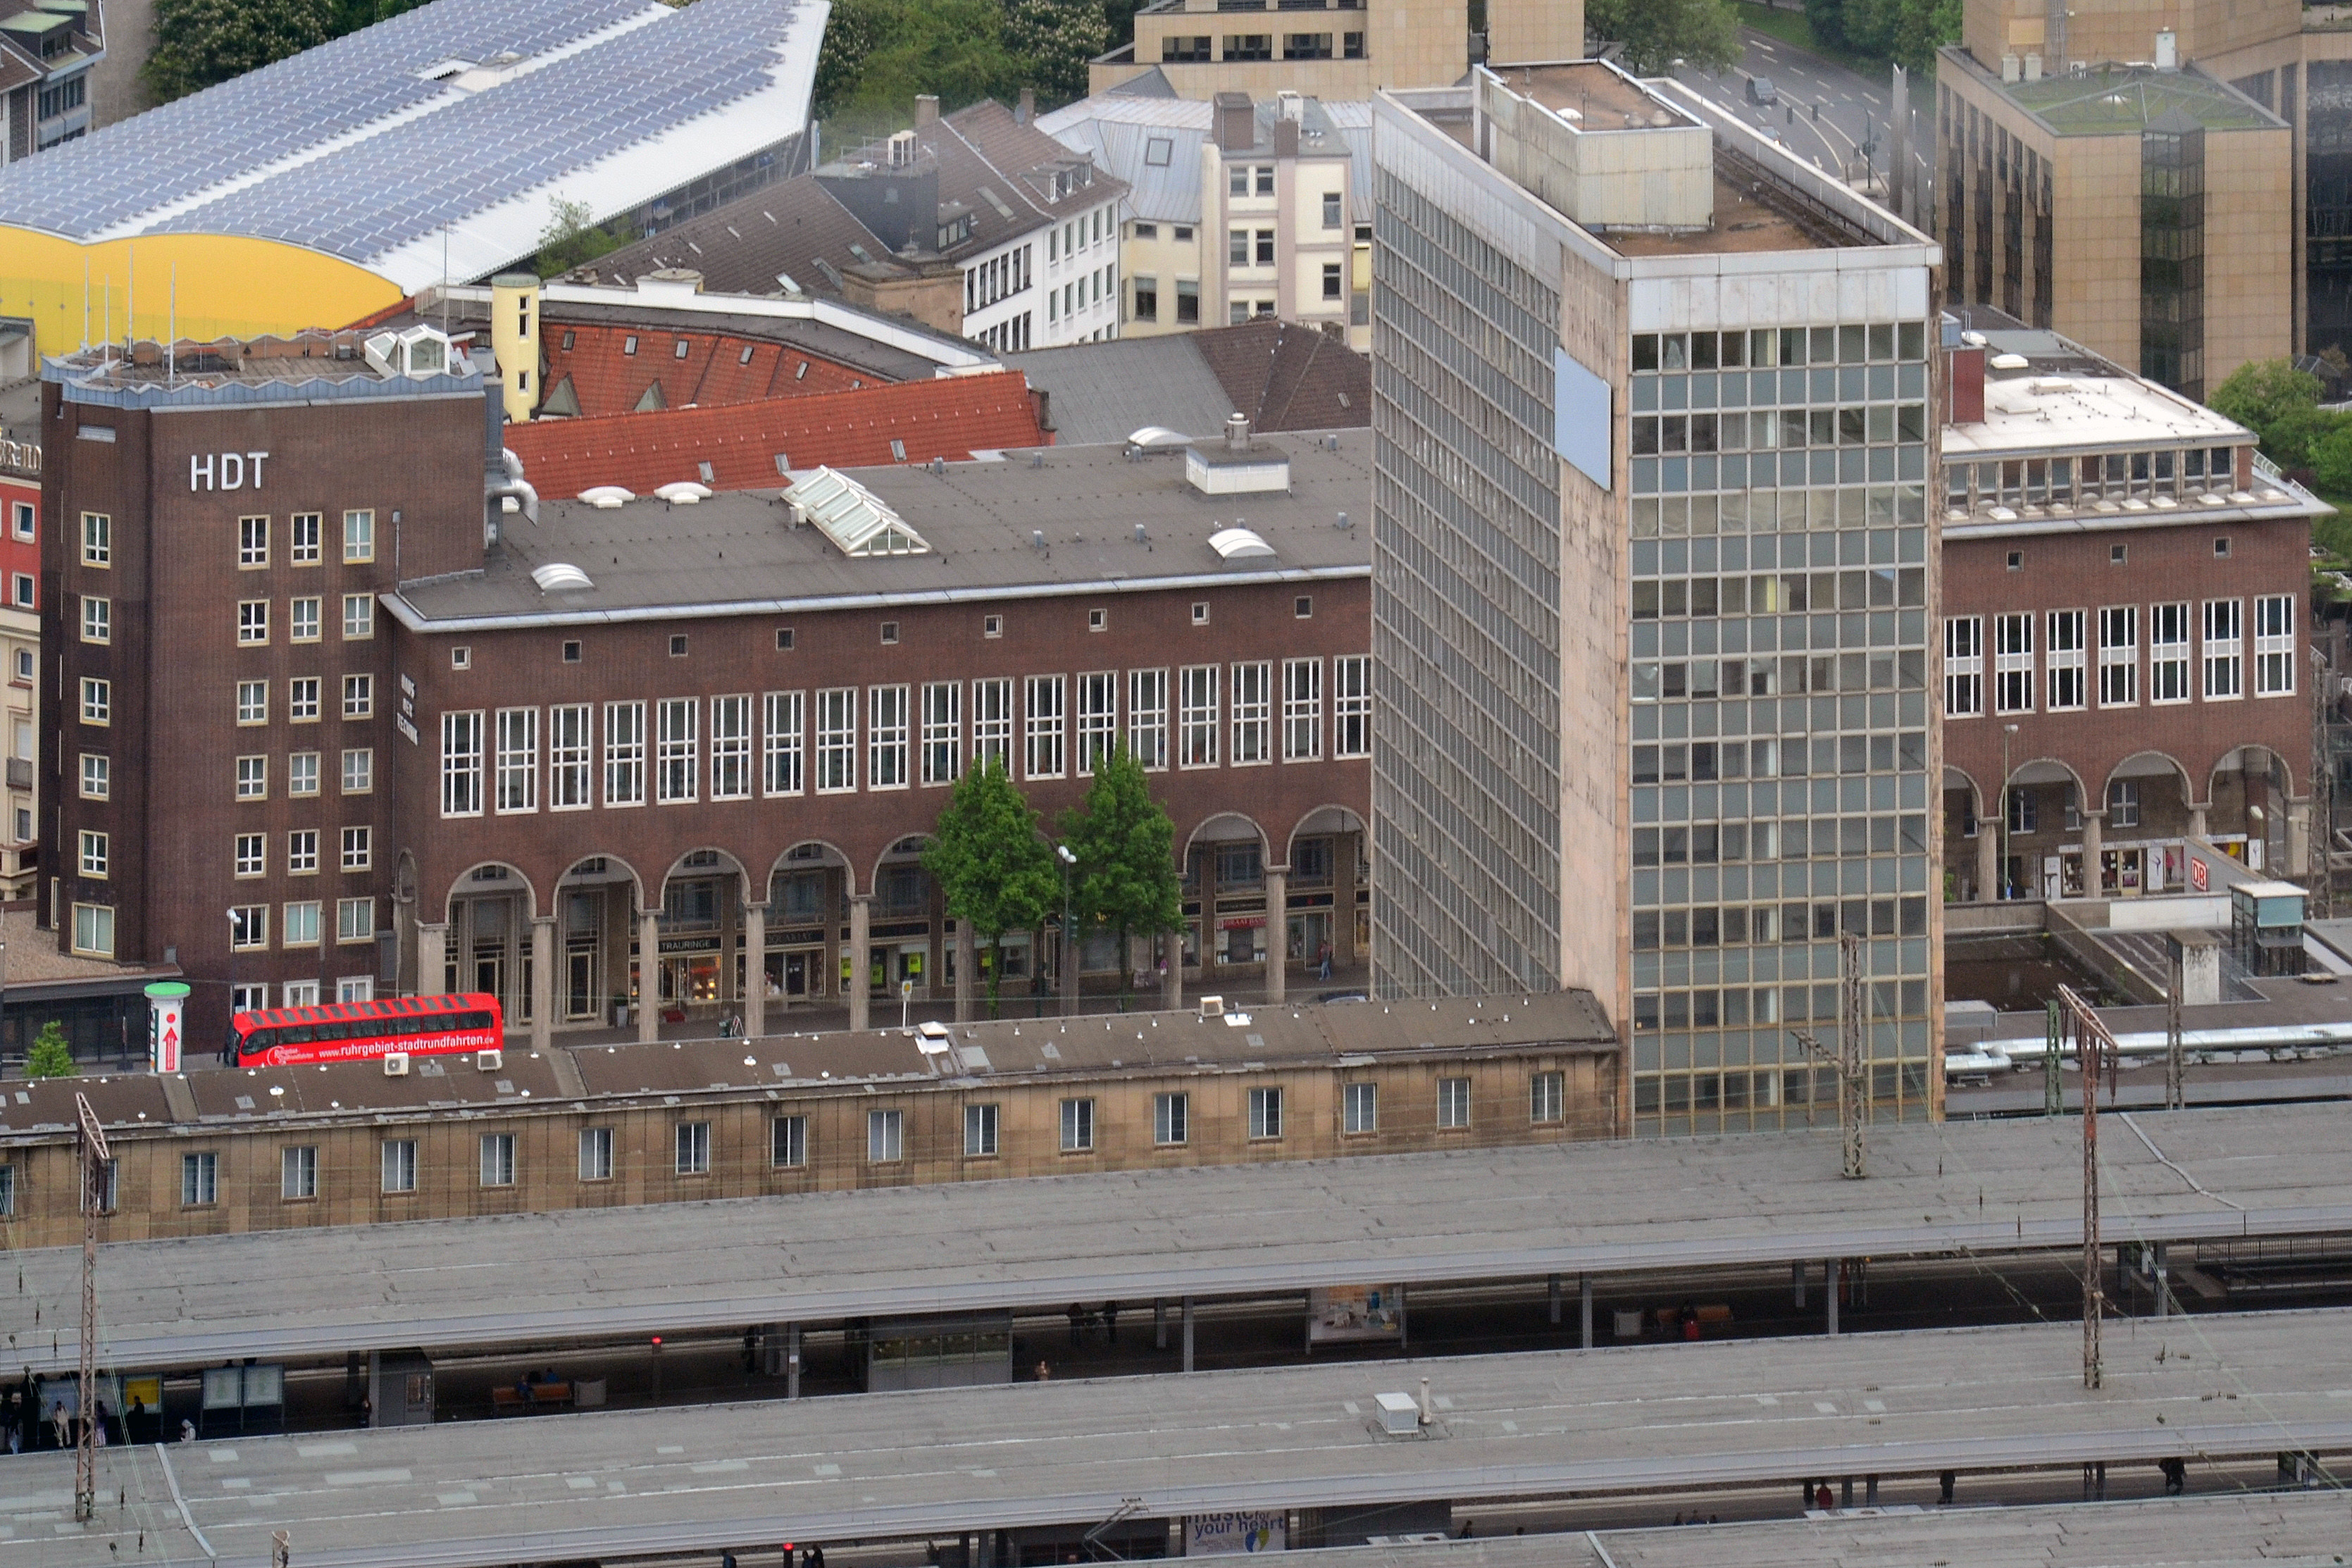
x=461 y=764
x=1351 y=706
x=991 y=723
x=2119 y=656
x=1197 y=716
x=1964 y=667
x=1253 y=713
x=782 y=742
x=624 y=753
x=2168 y=653
x=1097 y=716
x=2065 y=658
x=1302 y=709
x=569 y=759
x=886 y=737
x=836 y=740
x=2274 y=646
x=677 y=755
x=730 y=747
x=1041 y=726
x=942 y=732
x=2012 y=668
x=517 y=771
x=2225 y=650
x=1147 y=718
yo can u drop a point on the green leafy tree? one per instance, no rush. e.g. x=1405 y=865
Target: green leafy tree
x=50 y=1057
x=1827 y=18
x=995 y=873
x=1053 y=39
x=1126 y=845
x=883 y=52
x=2331 y=461
x=201 y=42
x=1657 y=33
x=572 y=237
x=2280 y=404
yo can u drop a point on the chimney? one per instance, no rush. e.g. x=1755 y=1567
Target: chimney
x=926 y=110
x=1965 y=402
x=1285 y=138
x=1028 y=110
x=1237 y=123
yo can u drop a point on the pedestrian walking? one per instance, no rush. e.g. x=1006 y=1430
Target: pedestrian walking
x=1323 y=962
x=1044 y=1372
x=1111 y=1321
x=1821 y=1499
x=1077 y=1323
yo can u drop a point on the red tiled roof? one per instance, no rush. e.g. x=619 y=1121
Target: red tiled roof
x=716 y=369
x=951 y=417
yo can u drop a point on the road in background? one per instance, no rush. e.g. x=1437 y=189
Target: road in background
x=1826 y=110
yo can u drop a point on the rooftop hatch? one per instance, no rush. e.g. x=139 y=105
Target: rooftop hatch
x=853 y=516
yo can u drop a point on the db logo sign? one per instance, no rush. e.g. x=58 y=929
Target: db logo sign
x=2198 y=878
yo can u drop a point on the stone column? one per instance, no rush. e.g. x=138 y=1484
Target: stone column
x=1988 y=860
x=755 y=970
x=1068 y=942
x=861 y=958
x=432 y=956
x=1277 y=933
x=648 y=977
x=543 y=982
x=1171 y=994
x=2197 y=820
x=1343 y=899
x=2094 y=822
x=967 y=967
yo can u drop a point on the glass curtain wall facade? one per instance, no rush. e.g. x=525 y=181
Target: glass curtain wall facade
x=1779 y=772
x=2172 y=254
x=1465 y=610
x=2327 y=248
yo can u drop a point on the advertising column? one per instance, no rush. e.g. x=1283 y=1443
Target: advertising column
x=167 y=1004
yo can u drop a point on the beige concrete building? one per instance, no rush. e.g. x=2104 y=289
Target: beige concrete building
x=1331 y=49
x=1236 y=211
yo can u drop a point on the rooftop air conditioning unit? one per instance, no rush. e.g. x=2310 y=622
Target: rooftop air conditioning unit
x=396 y=1065
x=1212 y=1006
x=1400 y=1416
x=490 y=1062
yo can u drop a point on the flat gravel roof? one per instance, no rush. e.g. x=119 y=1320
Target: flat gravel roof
x=613 y=1483
x=1482 y=1214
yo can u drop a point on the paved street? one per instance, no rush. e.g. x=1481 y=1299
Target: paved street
x=1851 y=108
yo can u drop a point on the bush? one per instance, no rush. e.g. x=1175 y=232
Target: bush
x=201 y=42
x=50 y=1057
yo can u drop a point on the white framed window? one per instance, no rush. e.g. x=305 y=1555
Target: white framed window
x=518 y=760
x=303 y=773
x=730 y=747
x=400 y=1165
x=359 y=696
x=2274 y=646
x=1041 y=729
x=1302 y=709
x=252 y=543
x=97 y=701
x=97 y=775
x=2225 y=648
x=359 y=616
x=301 y=928
x=253 y=778
x=359 y=770
x=1253 y=714
x=2168 y=654
x=942 y=732
x=251 y=854
x=303 y=618
x=595 y=1153
x=624 y=753
x=836 y=739
x=694 y=1148
x=303 y=852
x=1265 y=1113
x=303 y=700
x=979 y=1132
x=249 y=928
x=1097 y=717
x=359 y=537
x=1351 y=706
x=991 y=723
x=677 y=754
x=2119 y=656
x=2123 y=803
x=1197 y=716
x=497 y=1159
x=355 y=920
x=253 y=702
x=97 y=539
x=886 y=737
x=1546 y=1096
x=782 y=742
x=359 y=847
x=1453 y=1102
x=461 y=764
x=97 y=619
x=788 y=1140
x=298 y=1173
x=2012 y=668
x=93 y=930
x=1171 y=1119
x=1963 y=666
x=302 y=546
x=94 y=847
x=884 y=1140
x=2064 y=656
x=569 y=757
x=1359 y=1108
x=1147 y=718
x=199 y=1180
x=252 y=622
x=1078 y=1126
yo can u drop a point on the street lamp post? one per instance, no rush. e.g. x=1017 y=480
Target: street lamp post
x=1069 y=937
x=2000 y=880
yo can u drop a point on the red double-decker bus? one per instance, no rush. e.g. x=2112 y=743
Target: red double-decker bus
x=360 y=1031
